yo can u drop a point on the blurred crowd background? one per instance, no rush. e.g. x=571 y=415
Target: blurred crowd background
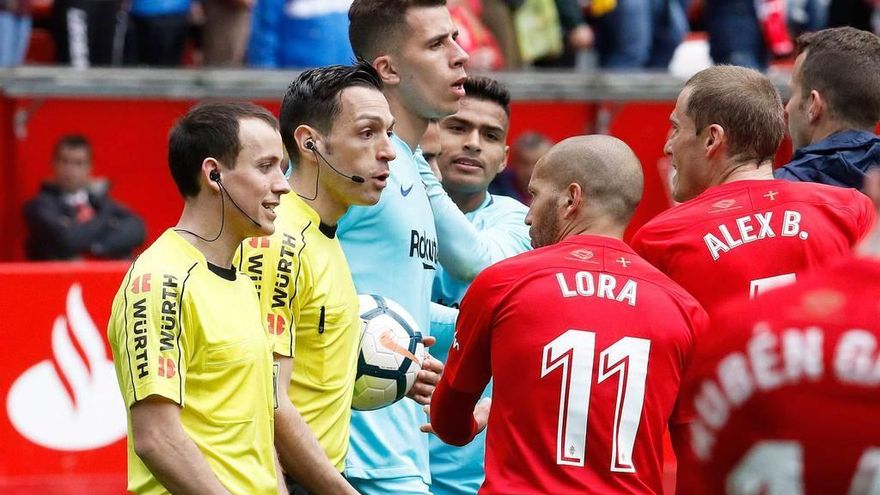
x=622 y=35
x=69 y=214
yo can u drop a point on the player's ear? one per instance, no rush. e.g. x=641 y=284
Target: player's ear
x=816 y=106
x=387 y=72
x=572 y=200
x=210 y=166
x=713 y=139
x=302 y=136
x=504 y=158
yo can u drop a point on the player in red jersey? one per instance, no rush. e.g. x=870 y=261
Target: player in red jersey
x=585 y=341
x=739 y=231
x=786 y=388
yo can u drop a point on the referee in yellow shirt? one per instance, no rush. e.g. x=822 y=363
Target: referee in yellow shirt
x=192 y=358
x=336 y=126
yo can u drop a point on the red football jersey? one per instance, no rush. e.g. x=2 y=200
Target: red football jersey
x=586 y=344
x=786 y=390
x=749 y=236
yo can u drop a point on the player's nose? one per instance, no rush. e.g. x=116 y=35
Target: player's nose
x=279 y=185
x=472 y=141
x=667 y=147
x=459 y=57
x=386 y=150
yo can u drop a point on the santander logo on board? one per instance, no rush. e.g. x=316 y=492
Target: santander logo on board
x=71 y=401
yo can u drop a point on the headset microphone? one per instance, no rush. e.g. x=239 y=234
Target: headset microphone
x=354 y=178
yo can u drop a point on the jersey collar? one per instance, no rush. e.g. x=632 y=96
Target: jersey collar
x=598 y=240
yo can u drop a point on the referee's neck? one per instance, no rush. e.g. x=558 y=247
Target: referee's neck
x=207 y=222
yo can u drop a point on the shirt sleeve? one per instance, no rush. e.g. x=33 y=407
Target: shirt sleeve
x=684 y=411
x=274 y=266
x=464 y=250
x=468 y=368
x=451 y=414
x=867 y=215
x=147 y=336
x=443 y=324
x=644 y=247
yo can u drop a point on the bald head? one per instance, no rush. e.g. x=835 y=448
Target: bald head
x=606 y=169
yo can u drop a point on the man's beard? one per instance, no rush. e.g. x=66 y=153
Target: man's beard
x=549 y=230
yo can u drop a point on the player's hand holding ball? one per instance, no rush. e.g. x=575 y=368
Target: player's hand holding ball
x=428 y=377
x=392 y=361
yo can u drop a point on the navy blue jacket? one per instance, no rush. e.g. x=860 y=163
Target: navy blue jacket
x=841 y=159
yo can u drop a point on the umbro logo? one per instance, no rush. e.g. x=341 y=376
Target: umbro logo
x=724 y=205
x=584 y=255
x=821 y=302
x=405 y=192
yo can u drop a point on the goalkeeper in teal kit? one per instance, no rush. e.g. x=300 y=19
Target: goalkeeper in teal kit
x=392 y=247
x=490 y=229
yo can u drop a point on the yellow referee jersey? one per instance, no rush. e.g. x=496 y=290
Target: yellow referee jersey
x=181 y=331
x=310 y=306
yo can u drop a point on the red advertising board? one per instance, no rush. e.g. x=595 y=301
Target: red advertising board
x=63 y=426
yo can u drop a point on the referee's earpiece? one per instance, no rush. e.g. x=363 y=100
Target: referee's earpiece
x=310 y=145
x=214 y=175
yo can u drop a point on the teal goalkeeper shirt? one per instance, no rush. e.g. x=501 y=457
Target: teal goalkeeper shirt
x=391 y=248
x=468 y=243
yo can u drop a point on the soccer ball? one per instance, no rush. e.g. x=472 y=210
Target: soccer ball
x=391 y=353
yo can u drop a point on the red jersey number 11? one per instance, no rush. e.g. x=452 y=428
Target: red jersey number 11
x=573 y=352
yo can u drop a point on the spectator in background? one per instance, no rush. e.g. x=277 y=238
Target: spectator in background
x=497 y=15
x=157 y=32
x=514 y=180
x=638 y=34
x=834 y=108
x=474 y=37
x=226 y=31
x=855 y=13
x=299 y=34
x=538 y=33
x=734 y=34
x=15 y=31
x=73 y=216
x=747 y=32
x=576 y=34
x=88 y=32
x=807 y=15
